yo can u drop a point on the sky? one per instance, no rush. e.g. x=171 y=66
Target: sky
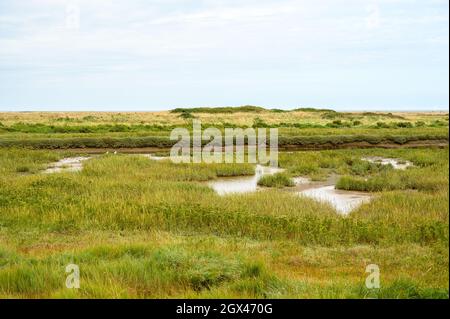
x=146 y=55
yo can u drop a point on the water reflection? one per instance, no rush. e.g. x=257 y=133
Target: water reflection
x=342 y=201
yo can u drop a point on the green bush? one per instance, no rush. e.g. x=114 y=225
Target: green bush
x=420 y=124
x=259 y=123
x=382 y=125
x=22 y=169
x=227 y=109
x=404 y=124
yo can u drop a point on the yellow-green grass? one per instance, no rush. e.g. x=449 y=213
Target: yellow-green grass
x=142 y=228
x=236 y=118
x=301 y=128
x=163 y=265
x=93 y=125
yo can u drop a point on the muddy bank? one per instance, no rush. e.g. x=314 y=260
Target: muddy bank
x=122 y=150
x=299 y=142
x=309 y=147
x=330 y=146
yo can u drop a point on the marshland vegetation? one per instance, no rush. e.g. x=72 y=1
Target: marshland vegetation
x=143 y=228
x=300 y=128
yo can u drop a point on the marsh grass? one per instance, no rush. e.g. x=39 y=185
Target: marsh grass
x=132 y=192
x=238 y=116
x=278 y=180
x=302 y=128
x=19 y=161
x=168 y=266
x=266 y=244
x=162 y=140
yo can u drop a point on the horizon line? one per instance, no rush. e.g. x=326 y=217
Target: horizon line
x=215 y=107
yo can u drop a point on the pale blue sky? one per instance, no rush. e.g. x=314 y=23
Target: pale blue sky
x=160 y=54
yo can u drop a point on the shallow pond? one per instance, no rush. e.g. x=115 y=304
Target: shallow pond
x=342 y=201
x=230 y=185
x=68 y=164
x=395 y=162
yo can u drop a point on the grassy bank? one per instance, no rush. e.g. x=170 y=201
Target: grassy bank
x=306 y=141
x=302 y=128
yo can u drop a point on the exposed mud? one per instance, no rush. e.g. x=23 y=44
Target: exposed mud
x=433 y=143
